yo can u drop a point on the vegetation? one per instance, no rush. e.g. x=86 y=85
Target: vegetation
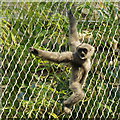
x=36 y=88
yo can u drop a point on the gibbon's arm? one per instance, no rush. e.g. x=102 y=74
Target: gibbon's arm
x=86 y=67
x=73 y=33
x=53 y=56
x=84 y=78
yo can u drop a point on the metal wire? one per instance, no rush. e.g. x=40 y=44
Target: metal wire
x=102 y=79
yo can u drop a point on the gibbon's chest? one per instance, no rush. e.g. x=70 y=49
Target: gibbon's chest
x=87 y=65
x=77 y=73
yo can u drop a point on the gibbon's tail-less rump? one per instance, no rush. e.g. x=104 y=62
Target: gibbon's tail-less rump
x=79 y=58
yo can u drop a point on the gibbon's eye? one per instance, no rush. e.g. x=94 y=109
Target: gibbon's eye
x=82 y=50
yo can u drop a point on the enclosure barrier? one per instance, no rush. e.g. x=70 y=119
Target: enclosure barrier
x=36 y=88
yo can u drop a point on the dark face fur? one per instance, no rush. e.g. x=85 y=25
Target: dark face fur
x=82 y=52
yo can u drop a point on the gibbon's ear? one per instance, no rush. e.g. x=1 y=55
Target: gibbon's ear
x=91 y=51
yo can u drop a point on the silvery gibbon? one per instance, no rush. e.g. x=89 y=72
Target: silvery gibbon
x=78 y=57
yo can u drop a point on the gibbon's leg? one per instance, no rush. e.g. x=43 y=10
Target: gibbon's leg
x=73 y=33
x=53 y=56
x=77 y=95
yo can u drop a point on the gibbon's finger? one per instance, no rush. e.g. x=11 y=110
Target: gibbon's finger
x=33 y=51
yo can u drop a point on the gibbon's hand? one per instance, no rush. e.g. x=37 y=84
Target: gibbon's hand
x=34 y=51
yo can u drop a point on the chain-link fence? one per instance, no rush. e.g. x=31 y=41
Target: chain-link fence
x=36 y=88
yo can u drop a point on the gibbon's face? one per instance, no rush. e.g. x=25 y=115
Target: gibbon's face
x=85 y=51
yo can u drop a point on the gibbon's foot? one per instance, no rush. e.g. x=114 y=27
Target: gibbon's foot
x=33 y=51
x=67 y=110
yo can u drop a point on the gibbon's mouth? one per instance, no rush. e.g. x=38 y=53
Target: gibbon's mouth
x=82 y=55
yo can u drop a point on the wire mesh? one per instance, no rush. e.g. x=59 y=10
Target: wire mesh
x=36 y=88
